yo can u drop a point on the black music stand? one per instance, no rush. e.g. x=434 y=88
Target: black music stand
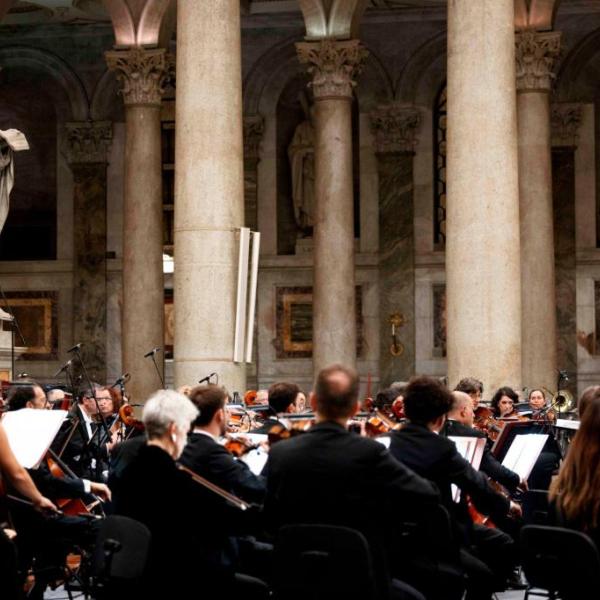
x=510 y=430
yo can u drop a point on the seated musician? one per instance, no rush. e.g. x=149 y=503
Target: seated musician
x=459 y=422
x=55 y=397
x=391 y=399
x=13 y=473
x=503 y=403
x=82 y=441
x=473 y=388
x=331 y=476
x=205 y=456
x=575 y=493
x=488 y=555
x=589 y=394
x=282 y=397
x=189 y=524
x=540 y=411
x=300 y=402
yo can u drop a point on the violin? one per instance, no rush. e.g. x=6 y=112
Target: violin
x=239 y=445
x=380 y=424
x=279 y=431
x=487 y=422
x=126 y=415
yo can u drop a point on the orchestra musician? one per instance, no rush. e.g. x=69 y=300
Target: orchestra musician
x=487 y=555
x=189 y=524
x=503 y=403
x=329 y=475
x=459 y=422
x=282 y=398
x=207 y=457
x=540 y=411
x=575 y=493
x=589 y=394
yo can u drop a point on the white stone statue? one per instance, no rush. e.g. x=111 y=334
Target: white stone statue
x=301 y=153
x=11 y=140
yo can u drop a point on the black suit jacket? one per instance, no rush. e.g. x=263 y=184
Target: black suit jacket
x=209 y=459
x=55 y=487
x=435 y=457
x=331 y=476
x=489 y=463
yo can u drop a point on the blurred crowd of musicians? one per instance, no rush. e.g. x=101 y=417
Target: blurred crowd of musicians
x=426 y=541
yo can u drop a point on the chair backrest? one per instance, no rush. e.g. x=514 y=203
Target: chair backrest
x=560 y=560
x=315 y=562
x=536 y=507
x=121 y=550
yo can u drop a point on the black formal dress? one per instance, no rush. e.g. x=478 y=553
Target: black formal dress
x=206 y=457
x=489 y=463
x=487 y=555
x=190 y=526
x=331 y=476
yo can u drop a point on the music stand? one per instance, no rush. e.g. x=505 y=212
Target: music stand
x=510 y=430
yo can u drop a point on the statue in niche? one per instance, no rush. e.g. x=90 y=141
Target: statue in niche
x=301 y=153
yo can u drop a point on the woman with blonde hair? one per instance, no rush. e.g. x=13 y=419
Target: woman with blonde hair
x=575 y=493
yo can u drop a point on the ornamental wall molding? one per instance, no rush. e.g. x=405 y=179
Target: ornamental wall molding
x=254 y=127
x=333 y=66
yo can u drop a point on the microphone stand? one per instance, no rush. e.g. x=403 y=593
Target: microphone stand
x=14 y=326
x=153 y=355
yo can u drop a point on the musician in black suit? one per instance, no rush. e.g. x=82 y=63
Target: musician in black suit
x=459 y=422
x=331 y=476
x=282 y=398
x=205 y=456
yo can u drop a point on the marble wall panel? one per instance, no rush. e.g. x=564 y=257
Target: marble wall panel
x=396 y=264
x=89 y=282
x=563 y=182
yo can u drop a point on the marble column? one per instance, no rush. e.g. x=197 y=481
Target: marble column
x=142 y=74
x=566 y=120
x=535 y=56
x=394 y=129
x=209 y=187
x=483 y=246
x=333 y=66
x=86 y=150
x=254 y=126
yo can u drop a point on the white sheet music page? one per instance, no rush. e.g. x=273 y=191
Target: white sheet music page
x=471 y=449
x=524 y=452
x=30 y=432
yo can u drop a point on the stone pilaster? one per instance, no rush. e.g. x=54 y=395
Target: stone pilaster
x=536 y=54
x=394 y=130
x=333 y=66
x=143 y=75
x=566 y=121
x=86 y=149
x=254 y=127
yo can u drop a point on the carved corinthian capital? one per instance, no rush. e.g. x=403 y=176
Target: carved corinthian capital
x=536 y=54
x=394 y=127
x=87 y=142
x=333 y=66
x=565 y=121
x=142 y=73
x=254 y=127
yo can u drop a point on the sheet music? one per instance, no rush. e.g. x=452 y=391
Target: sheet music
x=30 y=432
x=256 y=460
x=524 y=452
x=471 y=449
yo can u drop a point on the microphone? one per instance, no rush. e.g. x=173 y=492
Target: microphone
x=152 y=352
x=206 y=379
x=75 y=348
x=63 y=368
x=121 y=380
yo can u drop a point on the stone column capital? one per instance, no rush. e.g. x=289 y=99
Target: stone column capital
x=565 y=119
x=87 y=142
x=143 y=74
x=254 y=127
x=394 y=127
x=333 y=66
x=536 y=55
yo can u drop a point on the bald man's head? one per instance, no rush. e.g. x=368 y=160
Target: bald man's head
x=336 y=392
x=461 y=409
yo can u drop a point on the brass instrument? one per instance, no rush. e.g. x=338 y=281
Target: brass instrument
x=562 y=401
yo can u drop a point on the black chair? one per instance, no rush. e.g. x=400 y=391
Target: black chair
x=320 y=562
x=563 y=562
x=119 y=558
x=536 y=507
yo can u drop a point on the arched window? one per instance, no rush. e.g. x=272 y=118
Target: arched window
x=439 y=170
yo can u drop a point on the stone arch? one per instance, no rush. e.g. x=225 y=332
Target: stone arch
x=72 y=101
x=106 y=104
x=424 y=73
x=341 y=21
x=579 y=74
